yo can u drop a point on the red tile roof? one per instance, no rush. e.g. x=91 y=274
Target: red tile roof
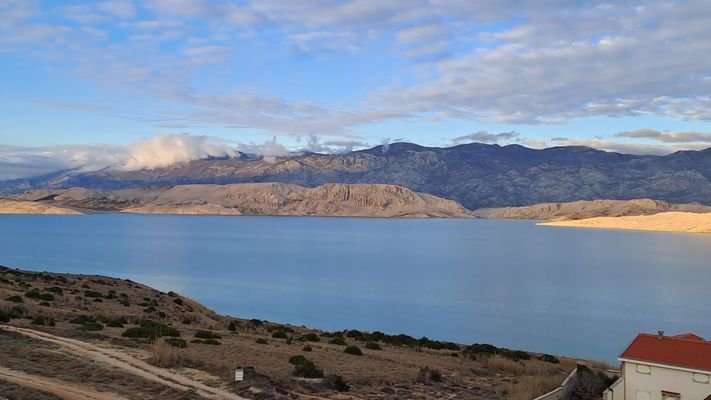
x=687 y=350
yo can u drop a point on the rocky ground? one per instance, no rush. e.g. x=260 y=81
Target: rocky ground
x=91 y=337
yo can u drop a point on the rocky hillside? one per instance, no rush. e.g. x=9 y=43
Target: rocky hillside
x=475 y=175
x=588 y=209
x=674 y=221
x=356 y=200
x=11 y=206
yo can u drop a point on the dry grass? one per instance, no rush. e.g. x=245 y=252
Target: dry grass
x=530 y=387
x=164 y=355
x=518 y=368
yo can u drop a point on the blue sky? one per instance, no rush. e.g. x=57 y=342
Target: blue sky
x=334 y=75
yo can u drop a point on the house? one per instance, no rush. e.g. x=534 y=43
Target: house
x=659 y=367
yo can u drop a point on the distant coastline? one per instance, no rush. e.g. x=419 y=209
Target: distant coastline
x=676 y=222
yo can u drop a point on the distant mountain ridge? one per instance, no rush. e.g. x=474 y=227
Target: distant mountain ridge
x=476 y=175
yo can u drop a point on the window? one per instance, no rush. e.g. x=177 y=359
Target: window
x=666 y=395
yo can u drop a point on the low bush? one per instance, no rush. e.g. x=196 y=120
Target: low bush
x=206 y=341
x=151 y=330
x=428 y=374
x=549 y=358
x=207 y=335
x=55 y=289
x=337 y=383
x=178 y=301
x=311 y=337
x=307 y=348
x=279 y=335
x=43 y=321
x=177 y=342
x=354 y=350
x=339 y=340
x=92 y=326
x=35 y=294
x=232 y=327
x=15 y=299
x=373 y=346
x=305 y=368
x=261 y=341
x=92 y=293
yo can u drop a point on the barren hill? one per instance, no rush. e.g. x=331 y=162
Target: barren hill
x=588 y=209
x=354 y=200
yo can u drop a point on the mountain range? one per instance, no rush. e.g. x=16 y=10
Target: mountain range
x=476 y=175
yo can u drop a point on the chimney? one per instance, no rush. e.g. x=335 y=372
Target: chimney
x=660 y=334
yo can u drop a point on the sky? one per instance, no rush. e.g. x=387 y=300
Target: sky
x=138 y=84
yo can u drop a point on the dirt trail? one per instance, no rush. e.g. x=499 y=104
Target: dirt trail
x=122 y=361
x=67 y=391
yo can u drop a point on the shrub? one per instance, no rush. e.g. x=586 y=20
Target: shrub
x=177 y=342
x=91 y=326
x=279 y=335
x=92 y=293
x=261 y=341
x=232 y=327
x=307 y=348
x=354 y=334
x=81 y=320
x=336 y=382
x=55 y=289
x=428 y=374
x=549 y=358
x=354 y=350
x=44 y=321
x=15 y=299
x=206 y=341
x=339 y=340
x=298 y=359
x=124 y=302
x=35 y=294
x=116 y=322
x=311 y=337
x=178 y=301
x=149 y=309
x=151 y=330
x=373 y=346
x=5 y=316
x=305 y=368
x=207 y=335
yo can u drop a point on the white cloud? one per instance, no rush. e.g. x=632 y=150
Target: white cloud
x=167 y=149
x=486 y=137
x=668 y=137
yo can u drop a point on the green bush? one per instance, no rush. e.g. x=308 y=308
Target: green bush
x=55 y=289
x=35 y=294
x=307 y=348
x=336 y=382
x=44 y=321
x=373 y=346
x=232 y=327
x=176 y=342
x=305 y=368
x=279 y=335
x=339 y=340
x=354 y=350
x=92 y=326
x=261 y=341
x=549 y=358
x=207 y=335
x=428 y=374
x=4 y=316
x=151 y=330
x=81 y=319
x=311 y=337
x=206 y=341
x=15 y=299
x=92 y=293
x=178 y=301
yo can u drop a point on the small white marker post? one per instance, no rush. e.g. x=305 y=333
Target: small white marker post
x=239 y=375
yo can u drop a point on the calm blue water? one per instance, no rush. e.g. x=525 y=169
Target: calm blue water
x=564 y=291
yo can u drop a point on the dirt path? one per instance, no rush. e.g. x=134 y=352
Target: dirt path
x=54 y=387
x=122 y=361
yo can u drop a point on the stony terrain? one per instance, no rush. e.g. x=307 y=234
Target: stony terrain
x=475 y=175
x=354 y=200
x=662 y=222
x=588 y=209
x=92 y=337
